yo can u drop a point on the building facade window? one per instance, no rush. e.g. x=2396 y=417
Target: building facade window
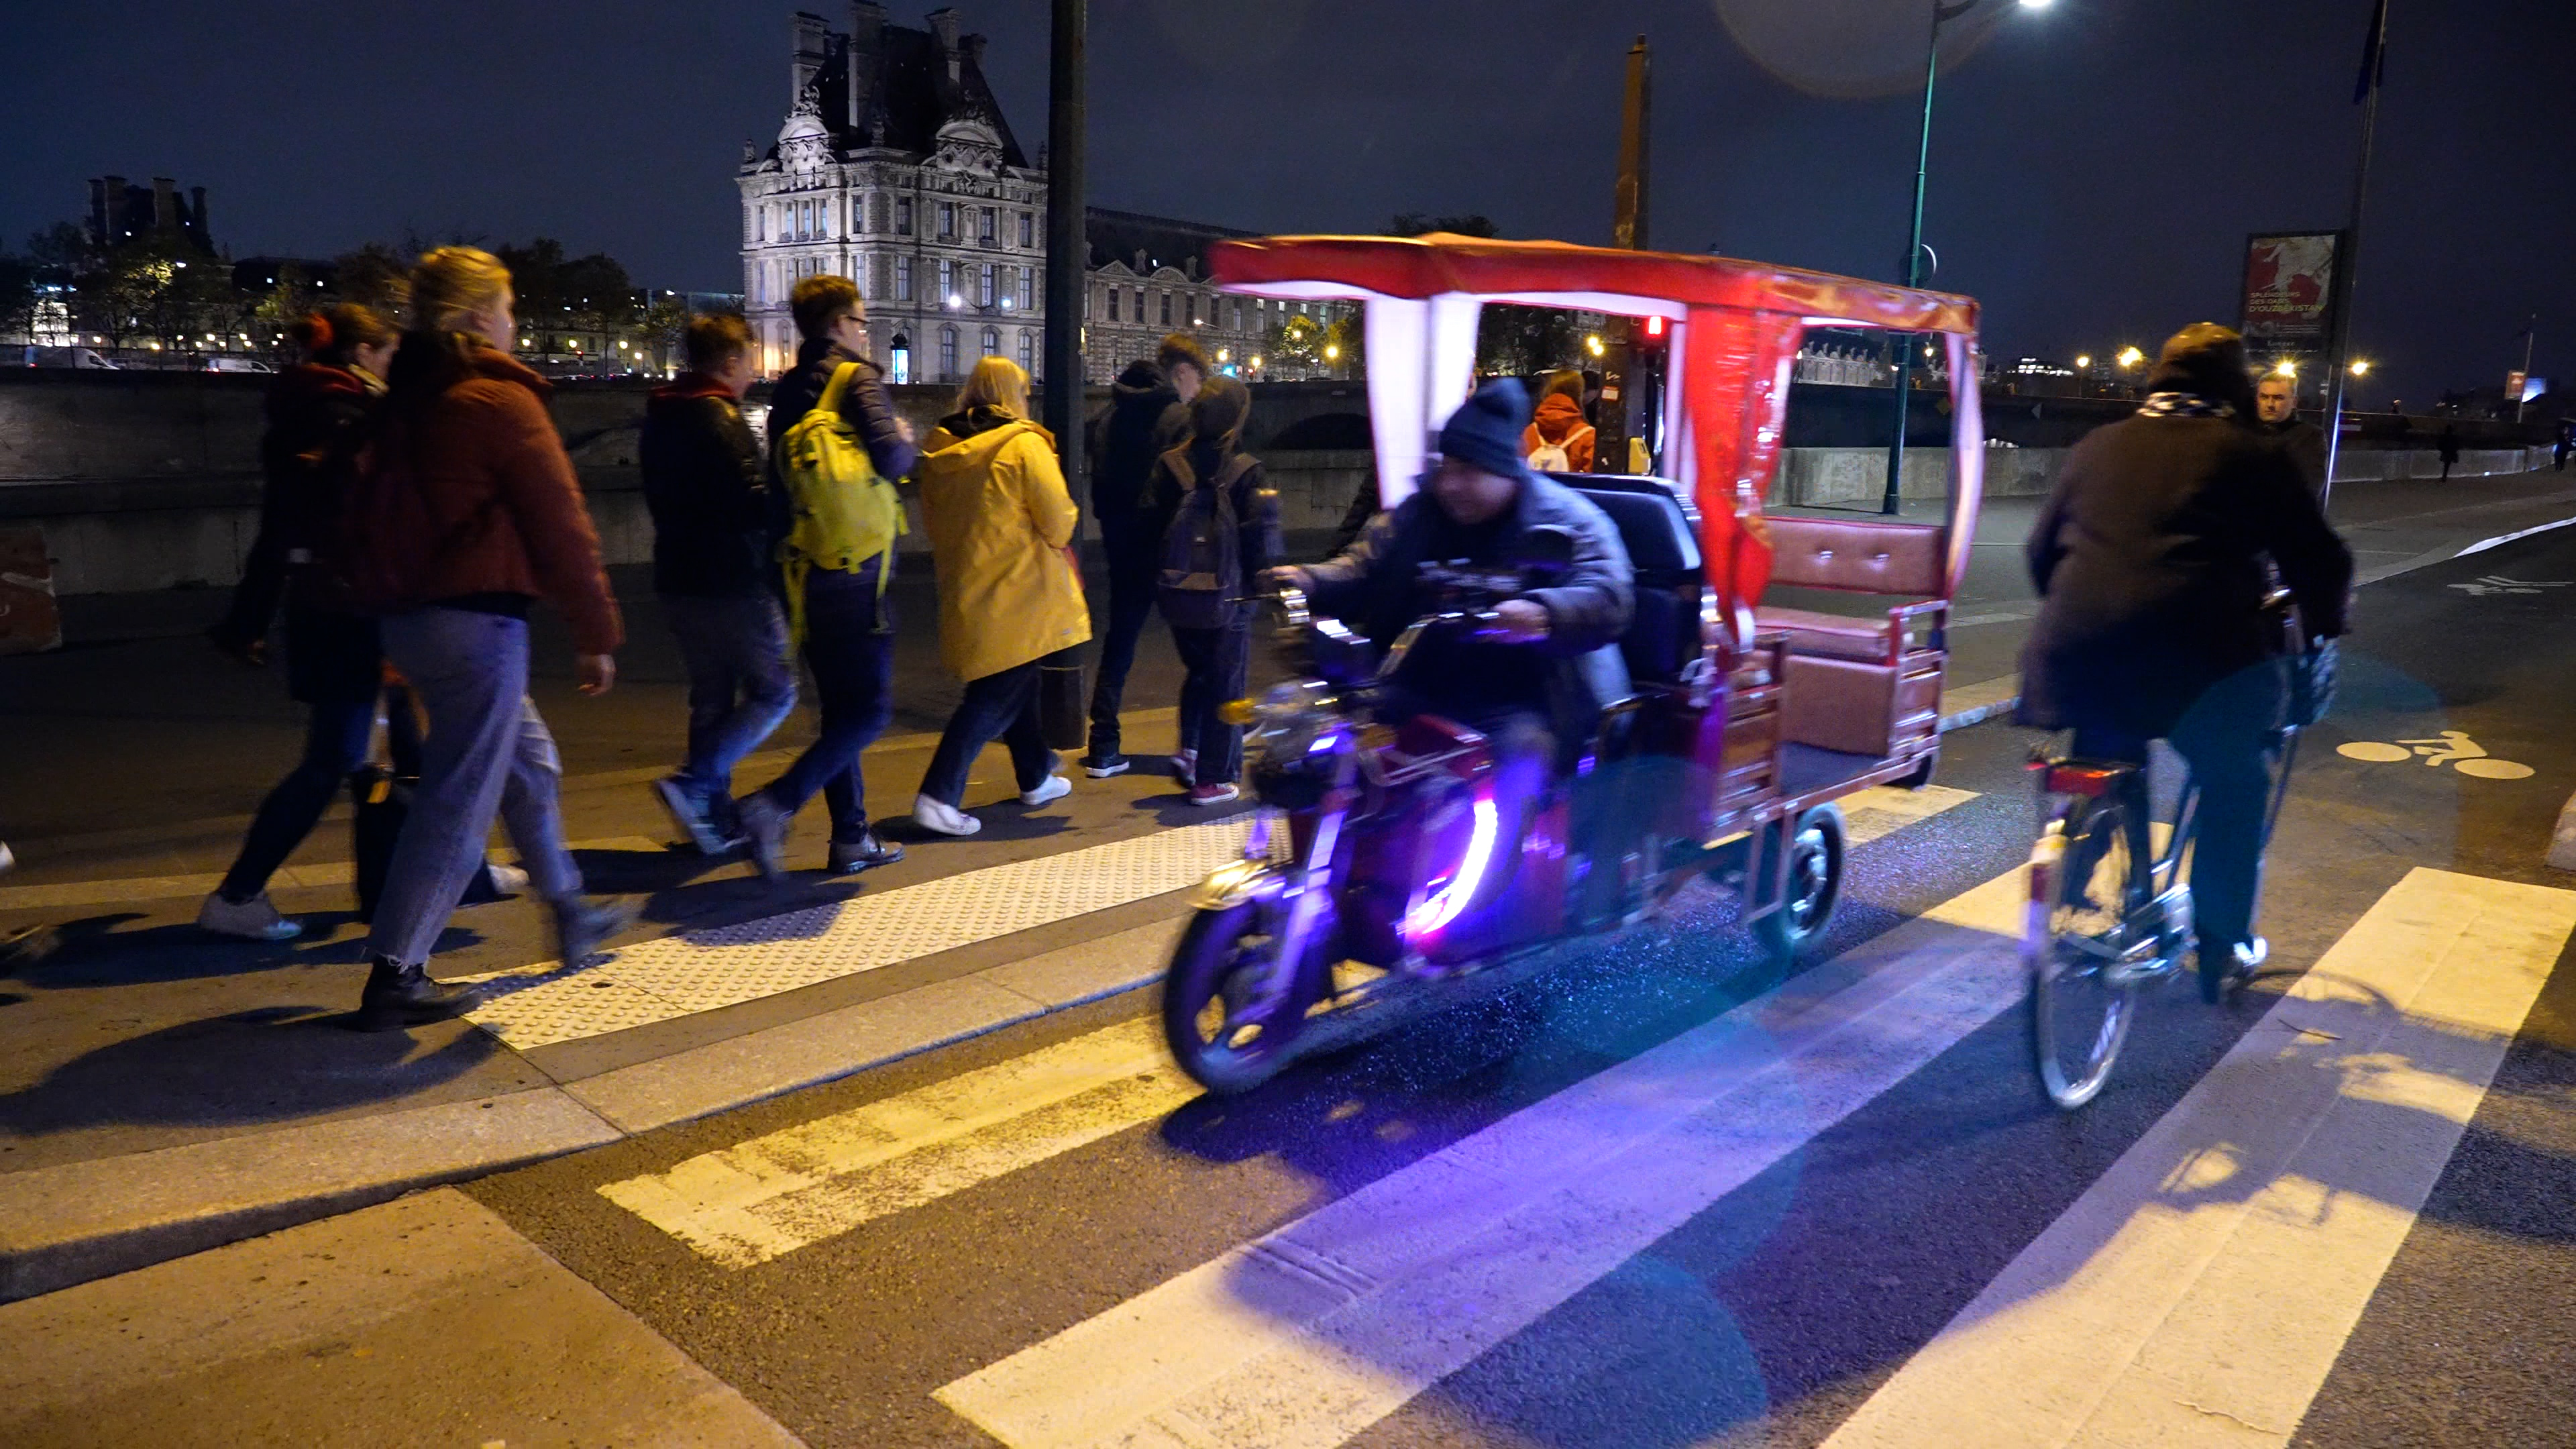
x=948 y=354
x=947 y=282
x=1113 y=304
x=1167 y=309
x=1140 y=304
x=1028 y=230
x=988 y=225
x=903 y=279
x=948 y=221
x=1028 y=352
x=984 y=285
x=899 y=359
x=1028 y=291
x=992 y=342
x=760 y=223
x=903 y=216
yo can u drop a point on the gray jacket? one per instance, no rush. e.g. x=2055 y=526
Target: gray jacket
x=1571 y=675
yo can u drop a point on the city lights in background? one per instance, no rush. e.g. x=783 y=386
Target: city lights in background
x=2286 y=367
x=1592 y=344
x=2361 y=367
x=2130 y=357
x=2084 y=361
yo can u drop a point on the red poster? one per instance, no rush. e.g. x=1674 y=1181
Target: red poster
x=2289 y=291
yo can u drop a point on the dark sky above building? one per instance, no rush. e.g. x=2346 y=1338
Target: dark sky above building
x=2095 y=168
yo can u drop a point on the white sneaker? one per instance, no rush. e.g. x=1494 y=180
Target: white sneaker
x=943 y=818
x=1055 y=788
x=251 y=920
x=506 y=880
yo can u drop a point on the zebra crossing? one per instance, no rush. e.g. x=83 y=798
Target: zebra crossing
x=2199 y=1291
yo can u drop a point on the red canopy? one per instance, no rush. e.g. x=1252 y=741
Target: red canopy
x=1737 y=327
x=1430 y=266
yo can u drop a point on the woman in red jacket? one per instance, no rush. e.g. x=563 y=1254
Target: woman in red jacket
x=468 y=512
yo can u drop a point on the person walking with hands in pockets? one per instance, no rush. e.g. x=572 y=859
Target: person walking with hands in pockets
x=1000 y=523
x=1224 y=531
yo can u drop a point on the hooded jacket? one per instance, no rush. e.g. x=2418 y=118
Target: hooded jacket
x=2150 y=559
x=708 y=491
x=994 y=504
x=1144 y=420
x=1570 y=675
x=505 y=514
x=317 y=423
x=1559 y=421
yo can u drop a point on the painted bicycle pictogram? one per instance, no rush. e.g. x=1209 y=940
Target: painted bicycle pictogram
x=2452 y=747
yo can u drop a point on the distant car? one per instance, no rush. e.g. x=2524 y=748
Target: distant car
x=237 y=364
x=83 y=357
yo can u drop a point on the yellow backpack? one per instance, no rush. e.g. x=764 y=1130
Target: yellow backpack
x=844 y=513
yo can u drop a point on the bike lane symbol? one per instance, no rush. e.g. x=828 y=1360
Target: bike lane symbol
x=2453 y=748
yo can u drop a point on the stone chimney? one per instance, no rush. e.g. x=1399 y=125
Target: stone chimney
x=99 y=218
x=813 y=42
x=165 y=204
x=867 y=47
x=197 y=214
x=943 y=23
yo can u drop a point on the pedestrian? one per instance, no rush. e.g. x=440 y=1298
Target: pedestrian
x=2566 y=444
x=715 y=572
x=2152 y=558
x=318 y=412
x=1224 y=533
x=1559 y=439
x=465 y=512
x=1147 y=416
x=836 y=484
x=2276 y=409
x=1001 y=529
x=2449 y=446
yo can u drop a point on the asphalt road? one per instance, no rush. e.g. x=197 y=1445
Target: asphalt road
x=1920 y=1239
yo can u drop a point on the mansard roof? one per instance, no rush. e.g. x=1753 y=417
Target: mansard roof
x=1117 y=236
x=906 y=91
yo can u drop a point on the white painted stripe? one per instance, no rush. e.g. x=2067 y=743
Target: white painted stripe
x=2516 y=536
x=2202 y=1289
x=759 y=1200
x=766 y=1198
x=1313 y=1332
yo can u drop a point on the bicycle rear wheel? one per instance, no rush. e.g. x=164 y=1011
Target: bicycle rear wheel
x=2088 y=875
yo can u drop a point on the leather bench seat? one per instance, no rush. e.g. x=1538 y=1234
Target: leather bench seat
x=1831 y=636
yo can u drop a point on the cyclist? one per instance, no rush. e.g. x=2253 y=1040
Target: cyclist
x=2152 y=557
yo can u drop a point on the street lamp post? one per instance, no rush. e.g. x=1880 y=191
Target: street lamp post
x=1942 y=14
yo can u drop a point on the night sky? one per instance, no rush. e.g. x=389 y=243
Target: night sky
x=2096 y=165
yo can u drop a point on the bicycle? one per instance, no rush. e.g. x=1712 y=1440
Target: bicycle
x=2110 y=912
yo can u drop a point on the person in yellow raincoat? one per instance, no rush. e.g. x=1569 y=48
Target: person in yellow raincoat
x=1001 y=528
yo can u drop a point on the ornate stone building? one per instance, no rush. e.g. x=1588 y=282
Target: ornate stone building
x=897 y=169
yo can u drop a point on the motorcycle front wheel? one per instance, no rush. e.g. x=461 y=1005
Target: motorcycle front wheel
x=1229 y=1014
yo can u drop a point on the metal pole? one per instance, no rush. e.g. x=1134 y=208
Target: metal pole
x=2348 y=277
x=1068 y=240
x=1893 y=498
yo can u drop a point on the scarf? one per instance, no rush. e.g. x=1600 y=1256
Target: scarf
x=2183 y=405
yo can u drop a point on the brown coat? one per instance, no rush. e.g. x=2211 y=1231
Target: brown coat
x=505 y=509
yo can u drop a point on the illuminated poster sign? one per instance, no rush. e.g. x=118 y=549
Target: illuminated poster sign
x=2289 y=291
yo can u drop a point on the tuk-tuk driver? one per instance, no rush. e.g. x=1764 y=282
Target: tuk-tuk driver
x=1538 y=694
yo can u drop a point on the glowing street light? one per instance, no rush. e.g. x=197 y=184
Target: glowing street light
x=2286 y=367
x=1592 y=344
x=2361 y=367
x=2130 y=357
x=2084 y=362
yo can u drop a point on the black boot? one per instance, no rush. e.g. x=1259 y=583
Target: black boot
x=581 y=924
x=398 y=995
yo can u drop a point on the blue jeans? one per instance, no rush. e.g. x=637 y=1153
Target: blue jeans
x=487 y=753
x=741 y=685
x=336 y=736
x=1000 y=706
x=849 y=645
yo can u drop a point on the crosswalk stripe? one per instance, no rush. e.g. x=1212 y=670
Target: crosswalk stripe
x=2201 y=1290
x=1310 y=1334
x=765 y=1198
x=130 y=889
x=759 y=1200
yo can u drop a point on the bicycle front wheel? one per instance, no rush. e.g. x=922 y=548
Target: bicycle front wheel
x=2088 y=874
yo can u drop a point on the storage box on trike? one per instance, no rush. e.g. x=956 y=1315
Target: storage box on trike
x=1745 y=720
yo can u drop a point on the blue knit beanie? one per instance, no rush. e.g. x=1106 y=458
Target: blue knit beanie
x=1486 y=430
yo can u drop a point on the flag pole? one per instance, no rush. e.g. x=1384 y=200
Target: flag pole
x=2374 y=62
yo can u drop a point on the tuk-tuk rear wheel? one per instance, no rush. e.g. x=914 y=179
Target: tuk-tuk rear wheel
x=1812 y=884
